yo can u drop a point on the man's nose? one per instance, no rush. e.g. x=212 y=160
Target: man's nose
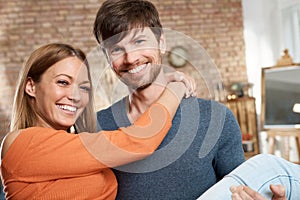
x=131 y=57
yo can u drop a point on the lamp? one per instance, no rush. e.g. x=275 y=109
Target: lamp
x=296 y=108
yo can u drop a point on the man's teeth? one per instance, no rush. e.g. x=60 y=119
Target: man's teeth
x=68 y=108
x=137 y=69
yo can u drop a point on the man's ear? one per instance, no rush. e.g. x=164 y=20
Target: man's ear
x=30 y=87
x=162 y=44
x=104 y=50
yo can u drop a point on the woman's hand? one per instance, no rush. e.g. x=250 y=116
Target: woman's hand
x=245 y=193
x=188 y=81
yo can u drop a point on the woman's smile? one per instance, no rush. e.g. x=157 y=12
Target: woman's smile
x=68 y=109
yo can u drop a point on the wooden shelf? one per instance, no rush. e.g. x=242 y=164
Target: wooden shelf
x=245 y=112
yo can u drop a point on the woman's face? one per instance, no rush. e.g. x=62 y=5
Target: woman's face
x=62 y=93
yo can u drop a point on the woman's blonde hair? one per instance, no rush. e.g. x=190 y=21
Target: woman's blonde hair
x=23 y=114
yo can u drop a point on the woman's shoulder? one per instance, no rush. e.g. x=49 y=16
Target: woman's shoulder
x=36 y=132
x=8 y=140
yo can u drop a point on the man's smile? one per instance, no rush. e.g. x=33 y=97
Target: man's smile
x=138 y=69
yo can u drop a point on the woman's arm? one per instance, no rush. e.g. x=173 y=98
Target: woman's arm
x=171 y=97
x=72 y=154
x=128 y=144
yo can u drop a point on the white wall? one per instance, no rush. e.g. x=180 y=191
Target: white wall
x=264 y=37
x=291 y=27
x=264 y=43
x=262 y=32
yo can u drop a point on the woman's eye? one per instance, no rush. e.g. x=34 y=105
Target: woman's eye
x=62 y=82
x=85 y=88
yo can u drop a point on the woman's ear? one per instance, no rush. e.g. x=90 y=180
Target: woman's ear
x=162 y=44
x=30 y=87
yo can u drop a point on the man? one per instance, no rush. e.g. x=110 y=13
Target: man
x=204 y=143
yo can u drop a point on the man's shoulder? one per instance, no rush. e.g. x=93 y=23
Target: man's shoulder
x=203 y=103
x=207 y=108
x=103 y=111
x=115 y=106
x=113 y=116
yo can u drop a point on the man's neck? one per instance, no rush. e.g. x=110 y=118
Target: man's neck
x=140 y=100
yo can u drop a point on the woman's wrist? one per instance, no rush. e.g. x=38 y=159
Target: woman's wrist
x=172 y=95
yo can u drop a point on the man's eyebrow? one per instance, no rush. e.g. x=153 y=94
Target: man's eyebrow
x=136 y=36
x=111 y=44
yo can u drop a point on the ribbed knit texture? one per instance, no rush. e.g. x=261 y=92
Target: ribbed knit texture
x=203 y=145
x=43 y=163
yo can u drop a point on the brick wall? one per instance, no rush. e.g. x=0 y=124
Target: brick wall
x=25 y=25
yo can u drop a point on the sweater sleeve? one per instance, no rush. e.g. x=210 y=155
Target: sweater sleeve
x=230 y=151
x=40 y=153
x=128 y=144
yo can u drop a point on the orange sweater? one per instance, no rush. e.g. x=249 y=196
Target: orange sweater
x=43 y=163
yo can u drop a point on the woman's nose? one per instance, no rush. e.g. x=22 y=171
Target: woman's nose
x=74 y=94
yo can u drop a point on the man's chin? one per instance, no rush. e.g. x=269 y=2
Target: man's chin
x=137 y=87
x=143 y=87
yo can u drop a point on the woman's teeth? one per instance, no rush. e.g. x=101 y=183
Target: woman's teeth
x=68 y=108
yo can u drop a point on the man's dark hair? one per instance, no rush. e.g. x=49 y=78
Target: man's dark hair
x=119 y=16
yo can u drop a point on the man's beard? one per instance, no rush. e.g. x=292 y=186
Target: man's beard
x=142 y=83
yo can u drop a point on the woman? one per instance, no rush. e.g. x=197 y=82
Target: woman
x=42 y=160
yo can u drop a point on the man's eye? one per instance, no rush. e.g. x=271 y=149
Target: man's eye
x=62 y=82
x=116 y=50
x=139 y=41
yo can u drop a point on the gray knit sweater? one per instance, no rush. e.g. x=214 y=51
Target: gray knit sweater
x=203 y=145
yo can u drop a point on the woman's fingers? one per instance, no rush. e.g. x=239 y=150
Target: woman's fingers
x=245 y=193
x=238 y=193
x=188 y=81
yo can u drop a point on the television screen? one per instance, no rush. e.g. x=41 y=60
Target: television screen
x=282 y=92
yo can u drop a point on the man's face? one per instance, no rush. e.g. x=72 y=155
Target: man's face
x=137 y=58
